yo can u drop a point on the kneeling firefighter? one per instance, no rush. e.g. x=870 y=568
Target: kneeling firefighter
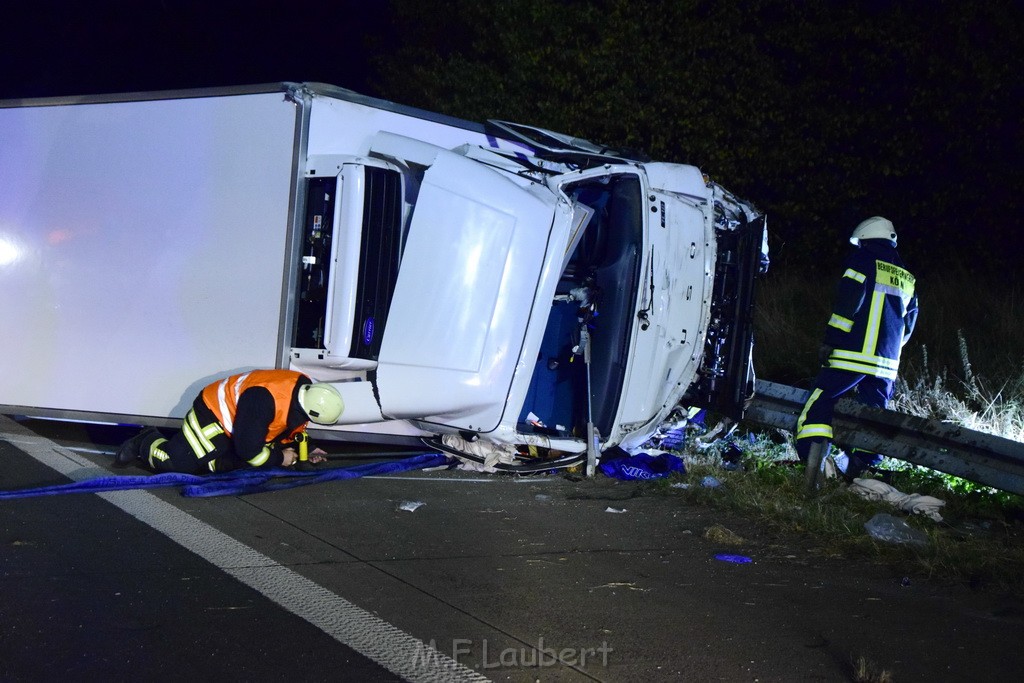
x=246 y=420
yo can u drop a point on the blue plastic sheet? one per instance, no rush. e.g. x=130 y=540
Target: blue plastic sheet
x=674 y=439
x=737 y=559
x=643 y=466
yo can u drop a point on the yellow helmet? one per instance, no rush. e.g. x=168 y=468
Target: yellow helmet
x=875 y=228
x=322 y=403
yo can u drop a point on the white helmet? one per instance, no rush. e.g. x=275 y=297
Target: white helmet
x=875 y=228
x=322 y=403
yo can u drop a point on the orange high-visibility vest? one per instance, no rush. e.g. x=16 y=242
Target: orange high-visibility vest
x=222 y=398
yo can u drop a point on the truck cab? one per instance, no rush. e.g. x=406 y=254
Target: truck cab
x=511 y=296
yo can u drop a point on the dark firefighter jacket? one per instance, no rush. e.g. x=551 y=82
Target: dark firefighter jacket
x=875 y=311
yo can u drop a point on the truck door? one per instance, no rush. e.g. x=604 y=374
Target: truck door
x=466 y=288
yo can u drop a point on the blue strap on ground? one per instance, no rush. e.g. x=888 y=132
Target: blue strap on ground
x=239 y=482
x=208 y=488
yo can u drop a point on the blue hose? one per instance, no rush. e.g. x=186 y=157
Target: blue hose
x=237 y=483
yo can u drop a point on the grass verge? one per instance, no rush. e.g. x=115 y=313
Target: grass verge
x=979 y=543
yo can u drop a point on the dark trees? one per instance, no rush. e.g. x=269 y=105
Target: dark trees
x=822 y=113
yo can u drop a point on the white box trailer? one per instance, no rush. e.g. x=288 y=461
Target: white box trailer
x=447 y=276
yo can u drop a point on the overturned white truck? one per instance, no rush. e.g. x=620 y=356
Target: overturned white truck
x=491 y=283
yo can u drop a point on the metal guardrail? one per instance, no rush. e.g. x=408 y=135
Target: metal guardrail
x=981 y=458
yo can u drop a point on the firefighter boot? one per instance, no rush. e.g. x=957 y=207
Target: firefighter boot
x=131 y=450
x=813 y=477
x=859 y=462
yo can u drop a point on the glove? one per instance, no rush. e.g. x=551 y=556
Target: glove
x=824 y=352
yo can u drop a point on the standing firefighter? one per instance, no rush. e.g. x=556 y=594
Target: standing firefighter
x=873 y=317
x=246 y=420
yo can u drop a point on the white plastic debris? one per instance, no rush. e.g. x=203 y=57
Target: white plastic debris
x=889 y=529
x=915 y=503
x=615 y=510
x=410 y=505
x=533 y=419
x=492 y=453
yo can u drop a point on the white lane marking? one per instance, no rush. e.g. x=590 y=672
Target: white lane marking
x=371 y=636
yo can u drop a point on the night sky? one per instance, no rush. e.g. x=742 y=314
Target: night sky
x=61 y=49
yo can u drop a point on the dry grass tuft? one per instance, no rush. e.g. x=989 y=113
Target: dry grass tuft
x=968 y=401
x=865 y=671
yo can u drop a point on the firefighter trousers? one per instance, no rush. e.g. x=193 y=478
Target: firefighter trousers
x=200 y=447
x=815 y=421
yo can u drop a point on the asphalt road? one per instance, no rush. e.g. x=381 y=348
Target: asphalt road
x=491 y=577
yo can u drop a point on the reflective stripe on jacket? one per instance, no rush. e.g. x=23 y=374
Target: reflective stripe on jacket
x=222 y=398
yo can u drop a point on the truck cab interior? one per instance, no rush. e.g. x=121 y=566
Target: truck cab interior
x=598 y=289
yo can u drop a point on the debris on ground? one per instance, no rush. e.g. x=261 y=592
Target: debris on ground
x=488 y=452
x=410 y=505
x=624 y=584
x=720 y=534
x=888 y=529
x=736 y=559
x=915 y=503
x=674 y=432
x=642 y=465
